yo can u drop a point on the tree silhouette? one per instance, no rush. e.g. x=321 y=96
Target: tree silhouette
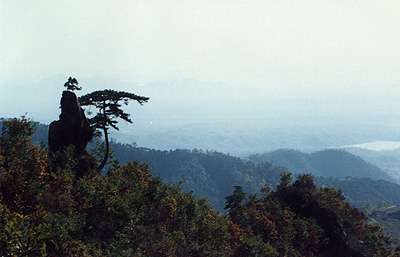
x=235 y=204
x=72 y=84
x=108 y=103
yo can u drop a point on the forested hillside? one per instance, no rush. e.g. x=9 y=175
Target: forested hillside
x=48 y=208
x=388 y=217
x=208 y=174
x=326 y=163
x=213 y=175
x=363 y=191
x=388 y=160
x=40 y=133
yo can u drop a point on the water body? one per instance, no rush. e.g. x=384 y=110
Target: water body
x=377 y=145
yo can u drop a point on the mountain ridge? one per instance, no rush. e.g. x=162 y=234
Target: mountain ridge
x=325 y=163
x=213 y=174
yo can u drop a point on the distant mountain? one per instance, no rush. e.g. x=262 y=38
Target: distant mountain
x=387 y=160
x=47 y=210
x=326 y=163
x=188 y=114
x=363 y=191
x=237 y=136
x=213 y=174
x=208 y=174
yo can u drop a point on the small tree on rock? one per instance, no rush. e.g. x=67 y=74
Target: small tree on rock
x=108 y=104
x=72 y=84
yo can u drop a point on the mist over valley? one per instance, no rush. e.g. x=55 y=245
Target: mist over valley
x=259 y=128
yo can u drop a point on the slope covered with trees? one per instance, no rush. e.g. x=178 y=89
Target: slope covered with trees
x=326 y=163
x=388 y=217
x=314 y=221
x=208 y=174
x=47 y=211
x=362 y=191
x=213 y=175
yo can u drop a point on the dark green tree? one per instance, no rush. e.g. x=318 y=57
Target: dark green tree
x=108 y=103
x=235 y=204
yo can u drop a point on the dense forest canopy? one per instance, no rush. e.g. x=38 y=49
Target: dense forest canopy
x=47 y=210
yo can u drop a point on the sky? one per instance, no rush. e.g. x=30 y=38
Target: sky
x=309 y=42
x=322 y=55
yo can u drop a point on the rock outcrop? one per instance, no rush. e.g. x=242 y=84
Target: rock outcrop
x=72 y=128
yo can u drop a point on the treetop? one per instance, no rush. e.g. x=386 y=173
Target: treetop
x=112 y=96
x=72 y=84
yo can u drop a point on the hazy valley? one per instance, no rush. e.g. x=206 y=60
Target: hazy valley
x=253 y=128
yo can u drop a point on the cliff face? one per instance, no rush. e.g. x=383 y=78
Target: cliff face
x=72 y=128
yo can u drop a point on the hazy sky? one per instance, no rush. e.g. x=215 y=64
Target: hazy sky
x=252 y=42
x=298 y=48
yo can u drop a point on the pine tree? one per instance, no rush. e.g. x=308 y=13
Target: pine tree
x=235 y=204
x=108 y=103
